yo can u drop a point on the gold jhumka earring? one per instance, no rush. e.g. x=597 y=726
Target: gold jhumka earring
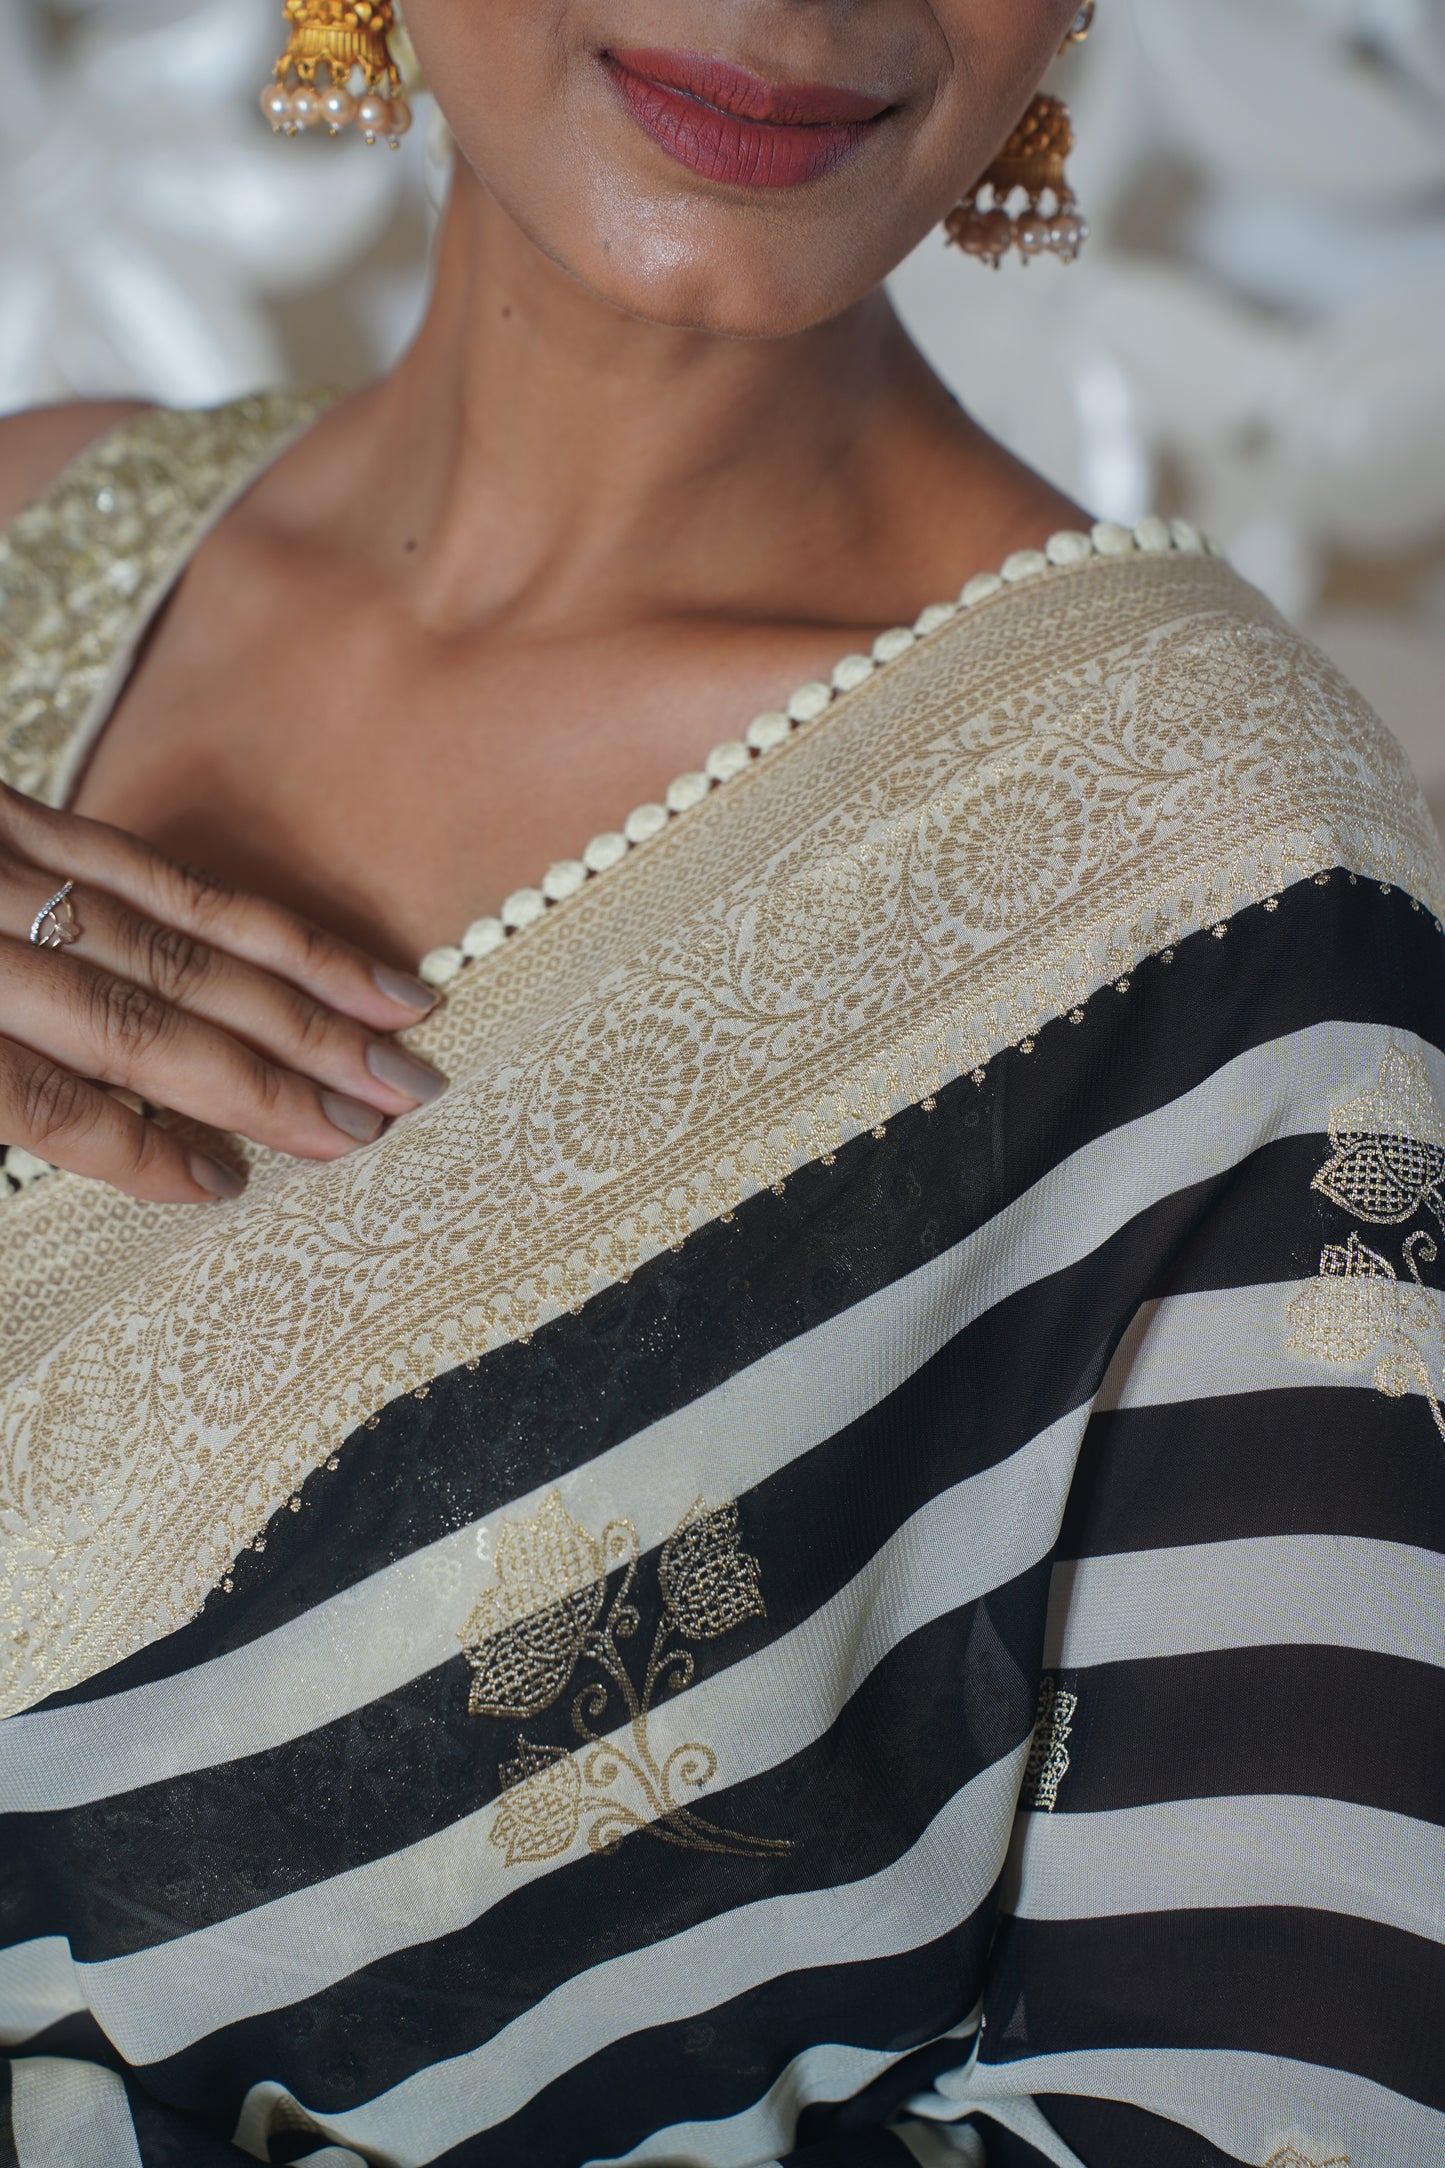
x=350 y=39
x=1028 y=174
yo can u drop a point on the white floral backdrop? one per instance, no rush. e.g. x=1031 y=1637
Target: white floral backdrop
x=1255 y=336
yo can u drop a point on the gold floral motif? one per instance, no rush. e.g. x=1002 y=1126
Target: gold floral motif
x=541 y=1810
x=826 y=911
x=1389 y=1147
x=1353 y=1305
x=237 y=1334
x=526 y=1636
x=1199 y=756
x=1048 y=1762
x=524 y=1660
x=1359 y=1303
x=1386 y=1166
x=614 y=1085
x=709 y=1582
x=1002 y=852
x=1289 y=2156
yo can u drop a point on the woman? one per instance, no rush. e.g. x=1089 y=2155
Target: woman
x=831 y=1555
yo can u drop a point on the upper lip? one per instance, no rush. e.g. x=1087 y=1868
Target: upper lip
x=735 y=90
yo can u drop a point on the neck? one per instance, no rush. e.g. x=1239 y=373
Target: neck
x=538 y=450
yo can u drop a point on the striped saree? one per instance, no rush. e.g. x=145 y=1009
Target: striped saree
x=836 y=1557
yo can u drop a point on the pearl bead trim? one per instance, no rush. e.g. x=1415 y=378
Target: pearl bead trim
x=1152 y=537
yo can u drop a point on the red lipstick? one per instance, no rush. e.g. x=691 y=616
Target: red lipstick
x=730 y=125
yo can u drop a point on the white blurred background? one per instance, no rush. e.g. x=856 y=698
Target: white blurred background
x=1255 y=338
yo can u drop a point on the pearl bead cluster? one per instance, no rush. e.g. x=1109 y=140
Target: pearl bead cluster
x=1152 y=537
x=292 y=110
x=990 y=234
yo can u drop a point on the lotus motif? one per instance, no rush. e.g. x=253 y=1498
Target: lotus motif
x=549 y=1610
x=526 y=1636
x=709 y=1583
x=1289 y=2156
x=1389 y=1147
x=541 y=1809
x=1354 y=1304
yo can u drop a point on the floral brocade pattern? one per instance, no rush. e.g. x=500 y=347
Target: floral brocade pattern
x=81 y=569
x=1290 y=2156
x=525 y=1638
x=553 y=1619
x=1389 y=1148
x=1069 y=777
x=1048 y=1762
x=1385 y=1168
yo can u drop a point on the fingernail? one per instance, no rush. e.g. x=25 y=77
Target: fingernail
x=351 y=1117
x=401 y=987
x=211 y=1176
x=392 y=1065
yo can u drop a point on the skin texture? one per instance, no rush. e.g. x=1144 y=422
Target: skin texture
x=660 y=452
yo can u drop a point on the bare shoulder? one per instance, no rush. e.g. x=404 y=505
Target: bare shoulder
x=36 y=446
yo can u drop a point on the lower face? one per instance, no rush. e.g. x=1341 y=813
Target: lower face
x=749 y=167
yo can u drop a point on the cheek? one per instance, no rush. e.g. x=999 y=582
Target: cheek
x=521 y=100
x=999 y=50
x=489 y=63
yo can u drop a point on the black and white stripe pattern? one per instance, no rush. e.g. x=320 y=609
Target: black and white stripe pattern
x=1004 y=1396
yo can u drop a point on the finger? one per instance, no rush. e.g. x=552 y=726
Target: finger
x=264 y=933
x=273 y=1017
x=99 y=1026
x=77 y=1126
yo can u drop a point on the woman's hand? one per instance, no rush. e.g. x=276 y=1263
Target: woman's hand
x=217 y=1005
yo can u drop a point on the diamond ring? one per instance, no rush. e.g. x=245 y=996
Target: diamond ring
x=55 y=924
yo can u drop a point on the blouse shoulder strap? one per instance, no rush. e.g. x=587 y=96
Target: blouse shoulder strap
x=85 y=567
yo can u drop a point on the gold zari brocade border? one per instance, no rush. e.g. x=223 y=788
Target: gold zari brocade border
x=83 y=569
x=1068 y=778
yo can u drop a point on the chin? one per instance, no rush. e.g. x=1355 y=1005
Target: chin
x=711 y=294
x=689 y=266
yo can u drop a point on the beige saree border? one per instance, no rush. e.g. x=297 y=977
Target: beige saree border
x=980 y=840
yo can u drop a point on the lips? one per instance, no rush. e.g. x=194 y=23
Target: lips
x=730 y=125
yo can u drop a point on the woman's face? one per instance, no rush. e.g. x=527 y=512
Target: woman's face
x=743 y=166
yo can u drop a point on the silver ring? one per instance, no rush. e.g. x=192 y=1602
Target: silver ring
x=55 y=924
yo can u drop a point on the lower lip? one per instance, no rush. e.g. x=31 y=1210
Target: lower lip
x=729 y=148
